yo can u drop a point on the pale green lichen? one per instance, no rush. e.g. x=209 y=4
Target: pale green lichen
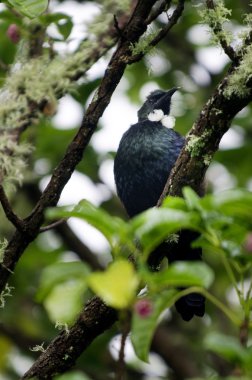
x=12 y=160
x=43 y=81
x=38 y=348
x=3 y=245
x=106 y=16
x=207 y=159
x=237 y=82
x=62 y=326
x=195 y=144
x=38 y=81
x=143 y=46
x=216 y=19
x=4 y=294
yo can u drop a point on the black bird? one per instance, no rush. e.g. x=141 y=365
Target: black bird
x=145 y=157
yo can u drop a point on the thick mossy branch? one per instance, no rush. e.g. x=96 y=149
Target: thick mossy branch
x=213 y=122
x=239 y=82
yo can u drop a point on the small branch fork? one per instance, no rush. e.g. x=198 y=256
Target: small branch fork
x=172 y=20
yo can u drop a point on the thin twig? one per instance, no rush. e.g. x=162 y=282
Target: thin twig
x=162 y=7
x=126 y=325
x=163 y=32
x=173 y=19
x=218 y=31
x=53 y=225
x=11 y=216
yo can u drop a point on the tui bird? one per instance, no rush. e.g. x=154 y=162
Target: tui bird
x=146 y=155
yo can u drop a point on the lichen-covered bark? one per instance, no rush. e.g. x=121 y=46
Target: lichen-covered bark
x=63 y=351
x=204 y=137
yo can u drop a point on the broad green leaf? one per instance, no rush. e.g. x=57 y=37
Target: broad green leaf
x=30 y=8
x=181 y=274
x=117 y=286
x=235 y=203
x=110 y=226
x=154 y=225
x=143 y=328
x=225 y=346
x=59 y=273
x=65 y=301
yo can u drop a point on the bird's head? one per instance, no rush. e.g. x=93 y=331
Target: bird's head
x=157 y=100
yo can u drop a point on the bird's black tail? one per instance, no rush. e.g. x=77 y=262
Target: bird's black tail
x=181 y=250
x=190 y=305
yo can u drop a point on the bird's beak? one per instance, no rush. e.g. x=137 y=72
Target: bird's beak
x=165 y=101
x=171 y=92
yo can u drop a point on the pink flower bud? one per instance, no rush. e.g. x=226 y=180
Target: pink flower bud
x=13 y=33
x=143 y=308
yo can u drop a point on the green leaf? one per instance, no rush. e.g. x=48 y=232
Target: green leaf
x=236 y=203
x=62 y=21
x=154 y=225
x=143 y=328
x=58 y=273
x=112 y=227
x=181 y=274
x=191 y=198
x=74 y=375
x=117 y=286
x=65 y=301
x=30 y=8
x=174 y=202
x=225 y=346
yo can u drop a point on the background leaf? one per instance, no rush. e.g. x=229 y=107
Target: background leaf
x=117 y=285
x=181 y=274
x=30 y=8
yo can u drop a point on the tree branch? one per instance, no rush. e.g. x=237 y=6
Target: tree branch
x=218 y=31
x=162 y=7
x=203 y=139
x=64 y=350
x=53 y=225
x=163 y=32
x=11 y=216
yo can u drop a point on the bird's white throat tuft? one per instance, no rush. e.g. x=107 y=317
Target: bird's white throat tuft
x=166 y=120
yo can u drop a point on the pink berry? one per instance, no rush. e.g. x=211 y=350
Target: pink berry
x=143 y=308
x=248 y=242
x=13 y=33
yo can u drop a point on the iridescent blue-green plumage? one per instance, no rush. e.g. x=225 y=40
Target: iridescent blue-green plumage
x=145 y=157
